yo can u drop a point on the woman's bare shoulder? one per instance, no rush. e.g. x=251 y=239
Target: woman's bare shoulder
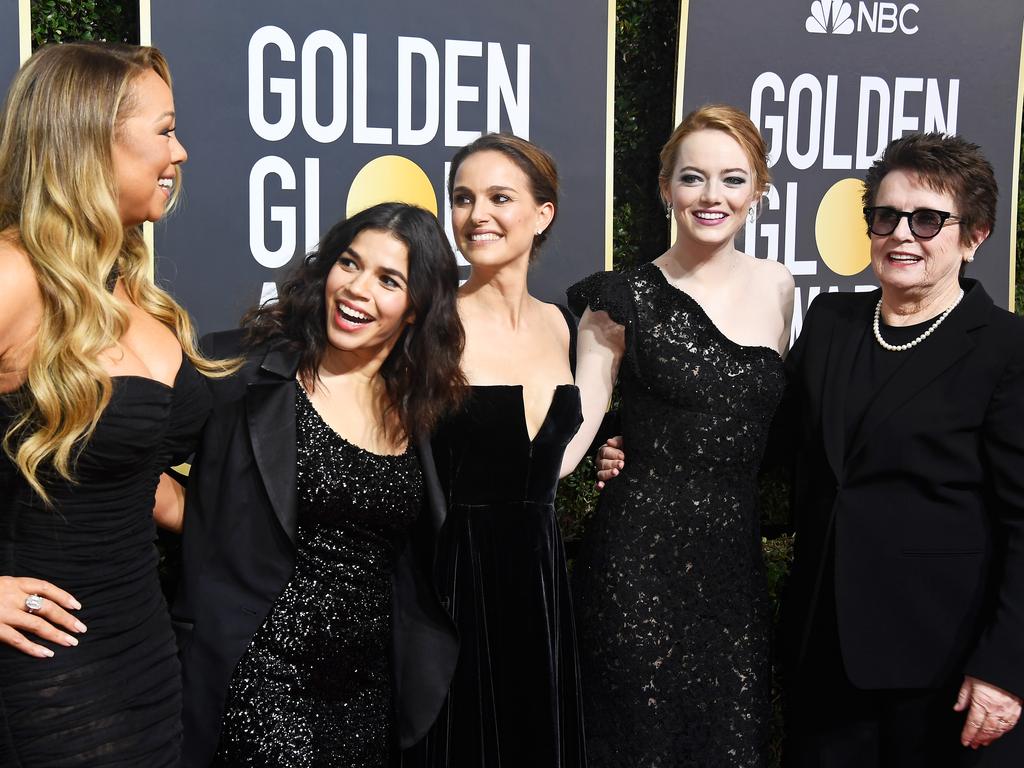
x=19 y=289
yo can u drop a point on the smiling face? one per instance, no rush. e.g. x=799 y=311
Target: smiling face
x=367 y=295
x=711 y=188
x=909 y=267
x=146 y=152
x=494 y=214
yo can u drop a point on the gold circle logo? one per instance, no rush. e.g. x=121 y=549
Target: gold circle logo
x=839 y=229
x=390 y=178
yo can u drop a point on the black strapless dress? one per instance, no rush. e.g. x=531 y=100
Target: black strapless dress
x=515 y=699
x=115 y=699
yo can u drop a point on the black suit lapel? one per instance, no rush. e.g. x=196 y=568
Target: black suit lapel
x=847 y=335
x=926 y=362
x=270 y=410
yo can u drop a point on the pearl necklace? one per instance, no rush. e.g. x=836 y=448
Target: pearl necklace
x=910 y=344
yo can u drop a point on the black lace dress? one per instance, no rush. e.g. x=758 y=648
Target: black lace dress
x=313 y=690
x=670 y=590
x=115 y=699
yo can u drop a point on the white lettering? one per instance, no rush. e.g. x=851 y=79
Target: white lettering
x=284 y=87
x=868 y=86
x=362 y=132
x=772 y=125
x=499 y=90
x=323 y=39
x=803 y=160
x=455 y=94
x=831 y=160
x=284 y=215
x=407 y=48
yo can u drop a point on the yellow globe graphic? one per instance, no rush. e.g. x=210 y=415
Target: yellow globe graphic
x=390 y=178
x=840 y=231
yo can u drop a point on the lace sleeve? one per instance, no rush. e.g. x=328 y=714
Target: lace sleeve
x=608 y=291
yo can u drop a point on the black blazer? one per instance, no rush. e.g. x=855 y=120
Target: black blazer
x=239 y=553
x=927 y=505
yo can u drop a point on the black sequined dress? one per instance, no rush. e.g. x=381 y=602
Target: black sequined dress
x=314 y=687
x=669 y=588
x=115 y=699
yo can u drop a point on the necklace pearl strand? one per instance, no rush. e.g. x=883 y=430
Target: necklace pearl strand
x=910 y=344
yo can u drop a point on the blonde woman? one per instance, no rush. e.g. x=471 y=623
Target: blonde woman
x=100 y=390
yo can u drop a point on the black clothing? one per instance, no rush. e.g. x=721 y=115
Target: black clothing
x=115 y=699
x=910 y=531
x=314 y=686
x=241 y=542
x=670 y=587
x=515 y=699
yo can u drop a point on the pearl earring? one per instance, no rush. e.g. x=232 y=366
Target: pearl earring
x=970 y=258
x=539 y=232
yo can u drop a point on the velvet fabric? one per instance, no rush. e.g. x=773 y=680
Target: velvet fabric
x=515 y=699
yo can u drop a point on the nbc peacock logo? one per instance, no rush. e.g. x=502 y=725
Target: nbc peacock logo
x=830 y=17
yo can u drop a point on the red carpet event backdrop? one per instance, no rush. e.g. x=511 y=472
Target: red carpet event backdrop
x=830 y=83
x=296 y=115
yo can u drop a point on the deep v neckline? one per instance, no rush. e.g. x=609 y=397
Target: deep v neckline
x=522 y=406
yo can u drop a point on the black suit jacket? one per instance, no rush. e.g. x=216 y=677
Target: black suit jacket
x=239 y=553
x=926 y=504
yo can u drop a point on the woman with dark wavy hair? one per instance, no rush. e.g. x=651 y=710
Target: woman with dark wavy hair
x=308 y=634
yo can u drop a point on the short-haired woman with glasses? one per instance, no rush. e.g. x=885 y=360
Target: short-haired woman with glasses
x=905 y=614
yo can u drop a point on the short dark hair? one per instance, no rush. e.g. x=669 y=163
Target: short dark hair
x=422 y=374
x=949 y=164
x=537 y=164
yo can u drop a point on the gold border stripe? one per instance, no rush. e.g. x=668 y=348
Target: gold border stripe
x=24 y=30
x=684 y=17
x=1015 y=191
x=609 y=141
x=146 y=38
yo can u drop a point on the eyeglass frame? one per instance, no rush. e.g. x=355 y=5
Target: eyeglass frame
x=944 y=216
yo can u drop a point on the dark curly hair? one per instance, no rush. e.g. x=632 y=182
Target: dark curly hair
x=422 y=377
x=949 y=164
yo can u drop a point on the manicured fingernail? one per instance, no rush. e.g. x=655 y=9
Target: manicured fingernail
x=75 y=605
x=69 y=640
x=46 y=654
x=79 y=626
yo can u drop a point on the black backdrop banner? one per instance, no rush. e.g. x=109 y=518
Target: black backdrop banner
x=296 y=115
x=14 y=38
x=829 y=83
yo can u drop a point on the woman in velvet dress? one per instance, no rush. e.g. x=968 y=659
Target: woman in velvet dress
x=102 y=392
x=312 y=471
x=671 y=591
x=515 y=699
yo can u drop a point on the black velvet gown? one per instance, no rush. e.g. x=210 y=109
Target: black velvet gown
x=515 y=700
x=115 y=699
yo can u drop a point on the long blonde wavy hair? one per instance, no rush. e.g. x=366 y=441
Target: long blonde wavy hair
x=58 y=196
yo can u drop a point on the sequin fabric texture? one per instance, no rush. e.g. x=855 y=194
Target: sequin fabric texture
x=314 y=688
x=669 y=587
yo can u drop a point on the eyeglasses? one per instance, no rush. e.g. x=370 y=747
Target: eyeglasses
x=924 y=222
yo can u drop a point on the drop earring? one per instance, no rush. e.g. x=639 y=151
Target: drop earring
x=751 y=217
x=668 y=210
